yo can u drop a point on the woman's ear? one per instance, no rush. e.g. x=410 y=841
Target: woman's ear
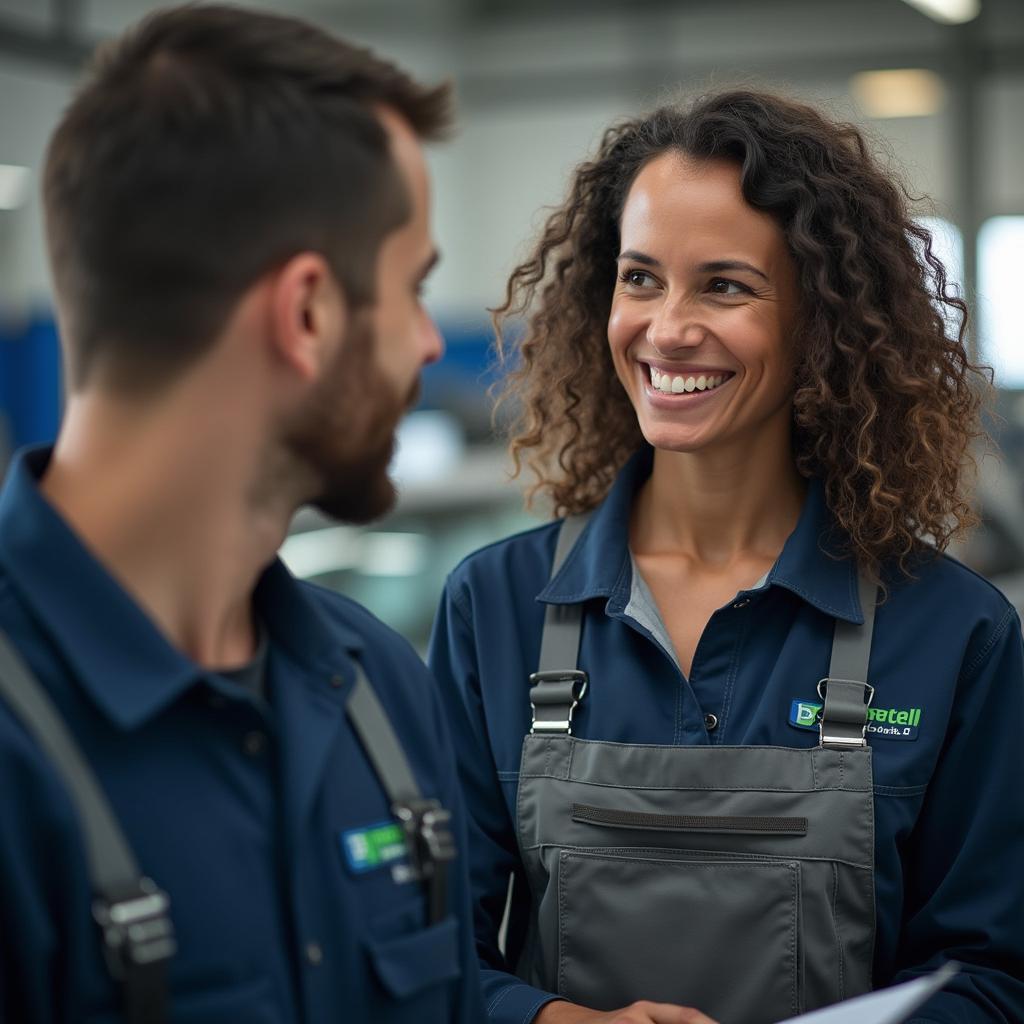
x=308 y=314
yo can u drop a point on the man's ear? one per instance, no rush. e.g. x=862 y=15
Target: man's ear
x=308 y=314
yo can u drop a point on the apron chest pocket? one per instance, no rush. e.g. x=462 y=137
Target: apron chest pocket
x=639 y=923
x=408 y=964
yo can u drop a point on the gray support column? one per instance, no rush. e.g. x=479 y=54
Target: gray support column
x=967 y=72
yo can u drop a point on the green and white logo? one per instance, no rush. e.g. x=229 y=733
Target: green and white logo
x=373 y=846
x=804 y=714
x=885 y=723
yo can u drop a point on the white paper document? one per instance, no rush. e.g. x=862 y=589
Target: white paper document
x=887 y=1006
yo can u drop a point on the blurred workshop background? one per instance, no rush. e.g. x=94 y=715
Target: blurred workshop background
x=938 y=83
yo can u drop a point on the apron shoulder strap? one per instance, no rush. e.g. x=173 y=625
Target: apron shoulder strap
x=845 y=691
x=131 y=910
x=560 y=641
x=558 y=686
x=371 y=723
x=425 y=823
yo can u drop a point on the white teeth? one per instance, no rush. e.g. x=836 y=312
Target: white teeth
x=667 y=384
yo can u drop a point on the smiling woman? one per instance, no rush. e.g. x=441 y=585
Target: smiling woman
x=724 y=777
x=747 y=174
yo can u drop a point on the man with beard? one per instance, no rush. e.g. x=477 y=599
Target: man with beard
x=238 y=221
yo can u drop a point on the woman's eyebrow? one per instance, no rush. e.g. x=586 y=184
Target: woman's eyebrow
x=638 y=257
x=716 y=266
x=711 y=267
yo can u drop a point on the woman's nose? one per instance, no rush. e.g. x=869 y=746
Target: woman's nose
x=675 y=326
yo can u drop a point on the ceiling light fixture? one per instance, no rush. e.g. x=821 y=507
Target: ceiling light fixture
x=949 y=12
x=911 y=92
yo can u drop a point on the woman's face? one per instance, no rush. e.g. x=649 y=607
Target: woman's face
x=704 y=308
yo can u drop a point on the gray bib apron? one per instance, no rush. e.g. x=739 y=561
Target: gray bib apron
x=739 y=880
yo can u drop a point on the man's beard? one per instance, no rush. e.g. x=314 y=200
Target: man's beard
x=346 y=435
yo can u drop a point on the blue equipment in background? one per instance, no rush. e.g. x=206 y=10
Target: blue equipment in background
x=30 y=382
x=31 y=389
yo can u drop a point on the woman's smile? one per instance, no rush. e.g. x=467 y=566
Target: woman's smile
x=672 y=387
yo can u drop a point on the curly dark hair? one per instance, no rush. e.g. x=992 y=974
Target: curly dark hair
x=886 y=403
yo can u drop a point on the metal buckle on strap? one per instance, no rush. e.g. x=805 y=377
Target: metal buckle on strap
x=852 y=735
x=431 y=847
x=137 y=929
x=568 y=695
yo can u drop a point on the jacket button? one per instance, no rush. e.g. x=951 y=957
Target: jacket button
x=710 y=722
x=314 y=954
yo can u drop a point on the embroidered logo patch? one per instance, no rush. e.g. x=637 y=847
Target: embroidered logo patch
x=885 y=723
x=374 y=846
x=804 y=714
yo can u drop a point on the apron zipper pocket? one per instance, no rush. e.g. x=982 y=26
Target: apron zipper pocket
x=750 y=825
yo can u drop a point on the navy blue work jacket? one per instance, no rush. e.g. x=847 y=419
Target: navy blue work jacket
x=244 y=811
x=946 y=662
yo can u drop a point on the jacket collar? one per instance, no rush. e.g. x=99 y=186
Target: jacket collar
x=114 y=650
x=809 y=564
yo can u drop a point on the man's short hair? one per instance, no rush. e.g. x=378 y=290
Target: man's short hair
x=208 y=145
